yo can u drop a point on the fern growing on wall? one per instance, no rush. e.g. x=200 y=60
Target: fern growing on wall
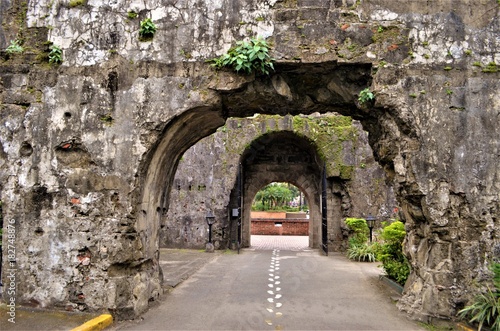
x=147 y=29
x=248 y=56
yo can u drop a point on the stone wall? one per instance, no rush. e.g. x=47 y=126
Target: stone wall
x=89 y=148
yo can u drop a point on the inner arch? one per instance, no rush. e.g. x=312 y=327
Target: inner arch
x=282 y=157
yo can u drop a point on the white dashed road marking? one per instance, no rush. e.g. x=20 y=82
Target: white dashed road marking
x=274 y=298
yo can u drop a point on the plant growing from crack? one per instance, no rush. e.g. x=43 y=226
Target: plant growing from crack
x=365 y=96
x=147 y=29
x=14 y=47
x=55 y=54
x=247 y=56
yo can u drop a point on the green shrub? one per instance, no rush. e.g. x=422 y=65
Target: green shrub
x=394 y=233
x=360 y=230
x=397 y=270
x=359 y=249
x=147 y=29
x=247 y=57
x=55 y=54
x=390 y=253
x=485 y=310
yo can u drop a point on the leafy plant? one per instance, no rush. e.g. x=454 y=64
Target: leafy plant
x=363 y=252
x=247 y=57
x=365 y=96
x=359 y=249
x=391 y=255
x=485 y=310
x=14 y=47
x=55 y=54
x=359 y=228
x=147 y=29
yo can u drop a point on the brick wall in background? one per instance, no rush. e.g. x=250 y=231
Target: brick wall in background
x=285 y=227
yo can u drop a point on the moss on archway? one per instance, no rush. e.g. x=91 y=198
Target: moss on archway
x=327 y=133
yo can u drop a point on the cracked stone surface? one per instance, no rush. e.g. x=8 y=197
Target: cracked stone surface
x=89 y=148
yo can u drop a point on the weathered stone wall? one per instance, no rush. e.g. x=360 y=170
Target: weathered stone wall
x=89 y=148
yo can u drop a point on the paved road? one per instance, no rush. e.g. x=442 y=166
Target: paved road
x=291 y=243
x=277 y=290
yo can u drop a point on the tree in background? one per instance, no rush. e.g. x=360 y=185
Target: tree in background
x=276 y=196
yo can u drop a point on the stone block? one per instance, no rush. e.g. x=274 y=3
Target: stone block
x=313 y=3
x=313 y=14
x=286 y=15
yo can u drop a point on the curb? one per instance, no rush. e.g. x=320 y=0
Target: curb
x=96 y=324
x=395 y=286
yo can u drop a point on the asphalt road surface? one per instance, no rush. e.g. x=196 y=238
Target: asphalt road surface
x=277 y=290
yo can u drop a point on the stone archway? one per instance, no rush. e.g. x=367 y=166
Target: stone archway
x=206 y=177
x=282 y=157
x=178 y=136
x=106 y=105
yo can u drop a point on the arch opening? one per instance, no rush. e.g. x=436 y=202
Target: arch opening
x=282 y=156
x=279 y=209
x=302 y=169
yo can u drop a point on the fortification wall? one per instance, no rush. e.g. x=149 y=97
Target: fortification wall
x=89 y=147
